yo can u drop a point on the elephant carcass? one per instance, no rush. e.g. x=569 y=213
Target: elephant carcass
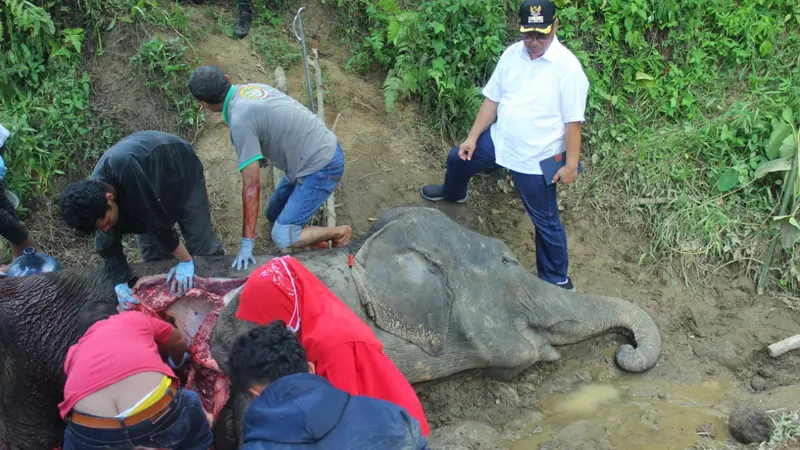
x=486 y=312
x=444 y=299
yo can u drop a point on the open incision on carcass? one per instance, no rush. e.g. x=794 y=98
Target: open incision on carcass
x=195 y=314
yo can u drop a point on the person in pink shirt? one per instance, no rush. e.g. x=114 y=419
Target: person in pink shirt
x=120 y=393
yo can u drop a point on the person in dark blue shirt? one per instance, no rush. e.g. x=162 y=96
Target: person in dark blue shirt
x=294 y=409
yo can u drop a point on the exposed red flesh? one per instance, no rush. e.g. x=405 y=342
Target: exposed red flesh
x=204 y=376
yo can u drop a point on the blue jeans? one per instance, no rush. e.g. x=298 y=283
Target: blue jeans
x=291 y=206
x=539 y=199
x=183 y=427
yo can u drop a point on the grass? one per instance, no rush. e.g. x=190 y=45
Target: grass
x=786 y=434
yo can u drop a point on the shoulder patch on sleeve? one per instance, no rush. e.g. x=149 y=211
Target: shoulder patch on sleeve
x=253 y=92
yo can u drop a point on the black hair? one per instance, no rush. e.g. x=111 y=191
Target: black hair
x=94 y=311
x=82 y=204
x=265 y=354
x=208 y=84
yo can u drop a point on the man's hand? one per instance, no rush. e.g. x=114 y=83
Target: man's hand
x=183 y=275
x=125 y=296
x=466 y=149
x=566 y=174
x=245 y=255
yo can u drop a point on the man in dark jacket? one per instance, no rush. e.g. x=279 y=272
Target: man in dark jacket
x=295 y=409
x=143 y=185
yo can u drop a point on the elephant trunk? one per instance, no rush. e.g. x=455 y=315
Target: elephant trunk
x=564 y=317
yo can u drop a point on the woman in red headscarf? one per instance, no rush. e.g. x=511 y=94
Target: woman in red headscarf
x=343 y=348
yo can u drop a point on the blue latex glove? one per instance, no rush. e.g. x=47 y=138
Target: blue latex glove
x=183 y=275
x=245 y=255
x=3 y=169
x=125 y=295
x=178 y=366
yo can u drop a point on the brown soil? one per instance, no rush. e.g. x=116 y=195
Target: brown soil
x=714 y=333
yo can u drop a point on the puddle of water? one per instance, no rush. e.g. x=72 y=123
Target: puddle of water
x=638 y=415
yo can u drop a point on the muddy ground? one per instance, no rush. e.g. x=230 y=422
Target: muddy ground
x=714 y=332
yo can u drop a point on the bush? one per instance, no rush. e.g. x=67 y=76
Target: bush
x=45 y=96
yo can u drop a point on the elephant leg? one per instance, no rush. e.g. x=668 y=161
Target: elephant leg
x=240 y=404
x=225 y=436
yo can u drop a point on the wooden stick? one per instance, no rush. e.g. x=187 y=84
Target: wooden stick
x=282 y=84
x=656 y=200
x=781 y=347
x=320 y=93
x=329 y=208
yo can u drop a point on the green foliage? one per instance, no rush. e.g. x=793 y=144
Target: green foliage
x=439 y=51
x=26 y=32
x=683 y=102
x=45 y=100
x=167 y=66
x=46 y=94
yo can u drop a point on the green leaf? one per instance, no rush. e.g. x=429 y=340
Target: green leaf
x=790 y=233
x=787 y=115
x=393 y=31
x=645 y=79
x=788 y=147
x=776 y=165
x=728 y=180
x=779 y=134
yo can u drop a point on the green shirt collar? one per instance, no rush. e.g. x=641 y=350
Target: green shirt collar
x=228 y=98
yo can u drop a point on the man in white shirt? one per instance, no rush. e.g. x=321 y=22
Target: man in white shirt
x=537 y=94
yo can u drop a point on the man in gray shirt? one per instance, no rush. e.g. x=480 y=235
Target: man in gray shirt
x=266 y=124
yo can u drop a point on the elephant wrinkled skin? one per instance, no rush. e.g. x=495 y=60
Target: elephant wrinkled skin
x=441 y=298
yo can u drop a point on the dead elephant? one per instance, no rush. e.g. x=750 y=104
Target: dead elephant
x=442 y=299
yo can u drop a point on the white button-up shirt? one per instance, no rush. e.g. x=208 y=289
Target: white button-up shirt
x=537 y=98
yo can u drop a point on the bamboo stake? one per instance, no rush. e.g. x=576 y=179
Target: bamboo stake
x=282 y=84
x=329 y=208
x=781 y=347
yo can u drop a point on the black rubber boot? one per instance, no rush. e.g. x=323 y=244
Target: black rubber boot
x=243 y=24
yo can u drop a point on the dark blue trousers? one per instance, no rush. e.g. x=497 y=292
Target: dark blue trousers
x=539 y=199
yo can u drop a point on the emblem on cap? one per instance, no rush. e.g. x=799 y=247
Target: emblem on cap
x=536 y=14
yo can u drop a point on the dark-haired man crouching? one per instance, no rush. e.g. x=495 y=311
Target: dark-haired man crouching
x=293 y=408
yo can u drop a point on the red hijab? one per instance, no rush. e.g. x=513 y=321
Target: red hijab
x=283 y=289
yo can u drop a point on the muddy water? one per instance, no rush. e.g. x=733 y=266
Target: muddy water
x=638 y=414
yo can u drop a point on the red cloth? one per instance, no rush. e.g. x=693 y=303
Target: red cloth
x=111 y=350
x=283 y=289
x=360 y=369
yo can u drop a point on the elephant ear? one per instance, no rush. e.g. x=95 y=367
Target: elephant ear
x=402 y=274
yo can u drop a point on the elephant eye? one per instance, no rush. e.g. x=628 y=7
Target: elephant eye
x=509 y=260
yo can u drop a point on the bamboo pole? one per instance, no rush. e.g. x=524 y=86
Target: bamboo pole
x=282 y=84
x=329 y=208
x=781 y=347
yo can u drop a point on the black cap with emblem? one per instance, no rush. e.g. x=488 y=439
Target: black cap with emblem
x=537 y=15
